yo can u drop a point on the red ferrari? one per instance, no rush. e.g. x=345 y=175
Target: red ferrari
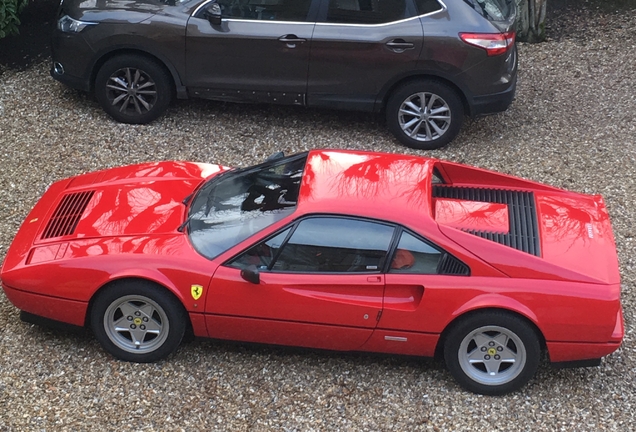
x=339 y=250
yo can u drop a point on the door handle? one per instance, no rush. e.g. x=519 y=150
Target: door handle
x=291 y=40
x=400 y=45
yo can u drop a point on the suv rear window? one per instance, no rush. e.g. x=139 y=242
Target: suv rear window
x=366 y=11
x=493 y=10
x=427 y=6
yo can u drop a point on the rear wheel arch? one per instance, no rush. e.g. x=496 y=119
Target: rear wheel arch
x=386 y=94
x=492 y=351
x=439 y=348
x=425 y=113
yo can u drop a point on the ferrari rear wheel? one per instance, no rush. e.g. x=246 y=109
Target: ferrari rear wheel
x=492 y=353
x=138 y=321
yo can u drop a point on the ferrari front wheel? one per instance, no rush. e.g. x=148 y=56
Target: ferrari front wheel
x=492 y=353
x=138 y=321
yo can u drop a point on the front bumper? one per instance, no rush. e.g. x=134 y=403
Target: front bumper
x=79 y=83
x=57 y=309
x=72 y=60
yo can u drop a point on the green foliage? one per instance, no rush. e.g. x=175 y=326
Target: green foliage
x=9 y=16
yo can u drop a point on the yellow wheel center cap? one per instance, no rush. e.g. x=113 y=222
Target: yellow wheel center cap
x=492 y=351
x=137 y=321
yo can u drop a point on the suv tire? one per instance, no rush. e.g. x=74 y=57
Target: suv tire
x=424 y=114
x=133 y=89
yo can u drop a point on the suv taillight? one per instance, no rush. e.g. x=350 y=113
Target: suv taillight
x=493 y=43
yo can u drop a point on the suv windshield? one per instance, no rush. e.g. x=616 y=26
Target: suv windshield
x=237 y=204
x=493 y=10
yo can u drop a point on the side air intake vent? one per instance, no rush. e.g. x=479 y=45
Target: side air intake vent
x=524 y=229
x=67 y=215
x=450 y=265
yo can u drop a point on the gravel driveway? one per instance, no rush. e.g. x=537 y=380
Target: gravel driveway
x=573 y=125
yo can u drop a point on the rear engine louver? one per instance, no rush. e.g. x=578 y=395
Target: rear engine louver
x=67 y=215
x=524 y=230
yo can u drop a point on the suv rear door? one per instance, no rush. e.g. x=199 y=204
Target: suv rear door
x=358 y=47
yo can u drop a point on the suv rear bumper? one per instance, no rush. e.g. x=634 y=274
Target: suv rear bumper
x=493 y=103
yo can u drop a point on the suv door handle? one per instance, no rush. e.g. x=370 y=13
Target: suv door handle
x=400 y=45
x=291 y=40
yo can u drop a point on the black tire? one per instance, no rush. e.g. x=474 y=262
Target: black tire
x=133 y=89
x=154 y=321
x=416 y=127
x=492 y=353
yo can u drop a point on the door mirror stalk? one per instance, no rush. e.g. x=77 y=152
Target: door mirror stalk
x=213 y=14
x=251 y=274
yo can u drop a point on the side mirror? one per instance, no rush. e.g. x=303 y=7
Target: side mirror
x=213 y=14
x=251 y=274
x=275 y=156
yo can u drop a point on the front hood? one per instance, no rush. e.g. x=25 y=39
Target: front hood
x=112 y=10
x=133 y=200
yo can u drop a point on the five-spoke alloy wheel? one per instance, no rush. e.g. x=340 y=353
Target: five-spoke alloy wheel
x=138 y=321
x=424 y=114
x=492 y=353
x=133 y=89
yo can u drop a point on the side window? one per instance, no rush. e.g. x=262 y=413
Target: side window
x=366 y=11
x=415 y=256
x=262 y=254
x=269 y=10
x=427 y=6
x=332 y=244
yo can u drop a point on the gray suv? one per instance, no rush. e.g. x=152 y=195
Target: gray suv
x=424 y=63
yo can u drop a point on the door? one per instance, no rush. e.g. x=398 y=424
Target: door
x=319 y=285
x=358 y=47
x=260 y=51
x=418 y=299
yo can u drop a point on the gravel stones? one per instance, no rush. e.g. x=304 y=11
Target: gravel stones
x=573 y=125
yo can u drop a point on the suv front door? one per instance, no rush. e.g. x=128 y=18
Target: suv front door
x=259 y=52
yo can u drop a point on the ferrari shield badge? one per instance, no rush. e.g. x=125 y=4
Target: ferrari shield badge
x=196 y=291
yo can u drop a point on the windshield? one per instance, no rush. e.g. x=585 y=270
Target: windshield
x=493 y=10
x=235 y=205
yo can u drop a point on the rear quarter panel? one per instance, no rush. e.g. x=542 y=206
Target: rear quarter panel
x=562 y=311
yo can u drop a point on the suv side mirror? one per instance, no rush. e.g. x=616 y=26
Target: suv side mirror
x=213 y=14
x=251 y=274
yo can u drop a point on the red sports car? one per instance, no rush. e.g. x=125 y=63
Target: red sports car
x=339 y=250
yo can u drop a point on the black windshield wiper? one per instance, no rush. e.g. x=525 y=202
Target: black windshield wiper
x=187 y=199
x=184 y=224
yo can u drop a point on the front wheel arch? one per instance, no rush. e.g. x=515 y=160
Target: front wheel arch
x=170 y=70
x=165 y=293
x=133 y=88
